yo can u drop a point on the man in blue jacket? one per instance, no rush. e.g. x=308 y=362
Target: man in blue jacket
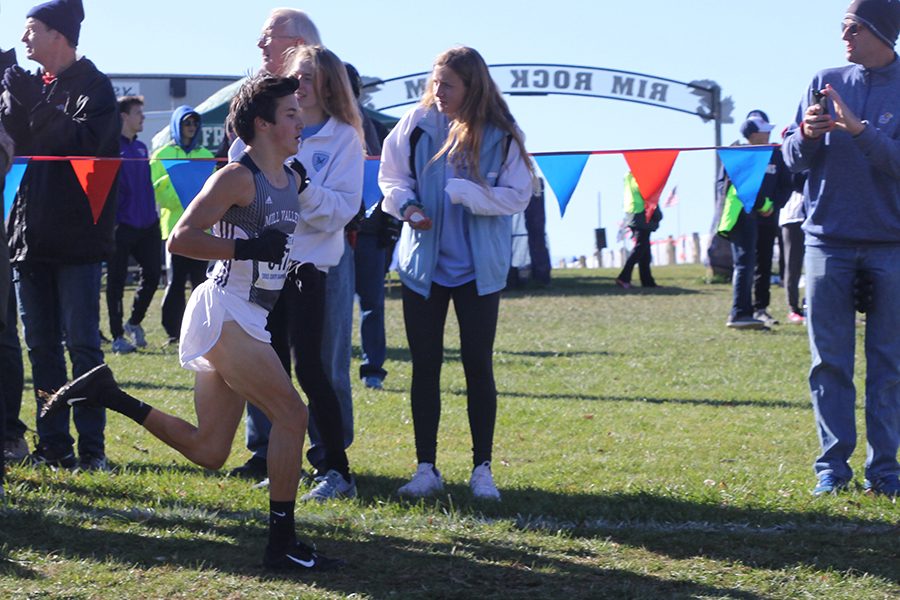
x=57 y=243
x=847 y=134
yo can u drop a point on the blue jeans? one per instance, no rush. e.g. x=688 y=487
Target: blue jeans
x=743 y=253
x=370 y=259
x=61 y=304
x=336 y=346
x=831 y=318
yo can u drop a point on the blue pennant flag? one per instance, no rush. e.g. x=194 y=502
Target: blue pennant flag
x=188 y=176
x=13 y=179
x=371 y=193
x=562 y=172
x=746 y=166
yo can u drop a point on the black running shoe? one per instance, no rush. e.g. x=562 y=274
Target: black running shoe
x=299 y=557
x=84 y=391
x=256 y=469
x=53 y=457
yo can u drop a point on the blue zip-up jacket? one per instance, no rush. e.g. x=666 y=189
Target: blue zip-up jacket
x=489 y=208
x=853 y=188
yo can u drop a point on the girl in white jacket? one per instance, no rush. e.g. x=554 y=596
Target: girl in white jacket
x=332 y=157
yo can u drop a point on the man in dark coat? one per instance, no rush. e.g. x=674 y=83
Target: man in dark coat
x=58 y=237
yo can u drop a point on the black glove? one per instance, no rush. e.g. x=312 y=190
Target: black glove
x=24 y=87
x=8 y=59
x=297 y=166
x=863 y=291
x=268 y=247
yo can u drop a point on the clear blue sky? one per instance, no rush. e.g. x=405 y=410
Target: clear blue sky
x=762 y=53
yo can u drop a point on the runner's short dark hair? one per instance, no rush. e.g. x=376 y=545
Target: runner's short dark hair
x=258 y=97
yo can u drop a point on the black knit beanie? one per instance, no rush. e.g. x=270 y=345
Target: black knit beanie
x=882 y=17
x=65 y=16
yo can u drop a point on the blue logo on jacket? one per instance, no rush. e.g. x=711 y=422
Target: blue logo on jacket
x=319 y=160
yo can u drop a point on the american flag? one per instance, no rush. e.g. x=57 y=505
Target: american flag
x=672 y=198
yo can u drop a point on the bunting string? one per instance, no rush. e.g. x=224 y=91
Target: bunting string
x=651 y=167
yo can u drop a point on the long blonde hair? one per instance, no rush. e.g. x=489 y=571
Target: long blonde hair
x=331 y=83
x=482 y=105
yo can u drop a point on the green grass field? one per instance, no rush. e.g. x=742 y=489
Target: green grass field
x=643 y=451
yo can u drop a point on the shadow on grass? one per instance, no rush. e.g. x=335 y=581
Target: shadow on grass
x=684 y=529
x=645 y=399
x=593 y=286
x=399 y=354
x=463 y=565
x=379 y=566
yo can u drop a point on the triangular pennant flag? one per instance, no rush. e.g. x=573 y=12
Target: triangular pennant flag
x=96 y=177
x=371 y=193
x=651 y=169
x=562 y=172
x=746 y=166
x=188 y=177
x=13 y=179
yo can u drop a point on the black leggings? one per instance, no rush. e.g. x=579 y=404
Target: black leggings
x=477 y=318
x=296 y=327
x=641 y=255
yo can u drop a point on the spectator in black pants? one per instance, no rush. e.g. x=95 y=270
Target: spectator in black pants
x=456 y=243
x=641 y=227
x=137 y=233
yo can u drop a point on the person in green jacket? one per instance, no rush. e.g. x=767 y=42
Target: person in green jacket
x=185 y=127
x=641 y=226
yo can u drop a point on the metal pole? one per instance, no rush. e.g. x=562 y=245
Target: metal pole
x=599 y=209
x=717 y=117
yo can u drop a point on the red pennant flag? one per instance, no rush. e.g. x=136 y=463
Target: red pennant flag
x=95 y=177
x=651 y=170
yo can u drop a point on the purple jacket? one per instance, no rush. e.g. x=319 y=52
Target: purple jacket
x=137 y=205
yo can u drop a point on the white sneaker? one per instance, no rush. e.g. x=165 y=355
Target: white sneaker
x=482 y=483
x=333 y=485
x=426 y=482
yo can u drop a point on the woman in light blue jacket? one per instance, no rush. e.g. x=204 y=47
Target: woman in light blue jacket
x=455 y=169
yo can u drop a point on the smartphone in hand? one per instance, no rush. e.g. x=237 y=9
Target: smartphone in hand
x=818 y=97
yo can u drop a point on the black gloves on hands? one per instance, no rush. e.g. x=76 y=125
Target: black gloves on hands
x=268 y=247
x=863 y=291
x=7 y=59
x=297 y=166
x=24 y=87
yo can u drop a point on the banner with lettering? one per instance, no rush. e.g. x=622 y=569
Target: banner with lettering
x=569 y=80
x=562 y=172
x=13 y=180
x=651 y=169
x=96 y=177
x=746 y=166
x=188 y=176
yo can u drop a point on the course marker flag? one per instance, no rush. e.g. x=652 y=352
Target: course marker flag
x=562 y=172
x=371 y=193
x=651 y=169
x=188 y=177
x=96 y=178
x=13 y=179
x=746 y=166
